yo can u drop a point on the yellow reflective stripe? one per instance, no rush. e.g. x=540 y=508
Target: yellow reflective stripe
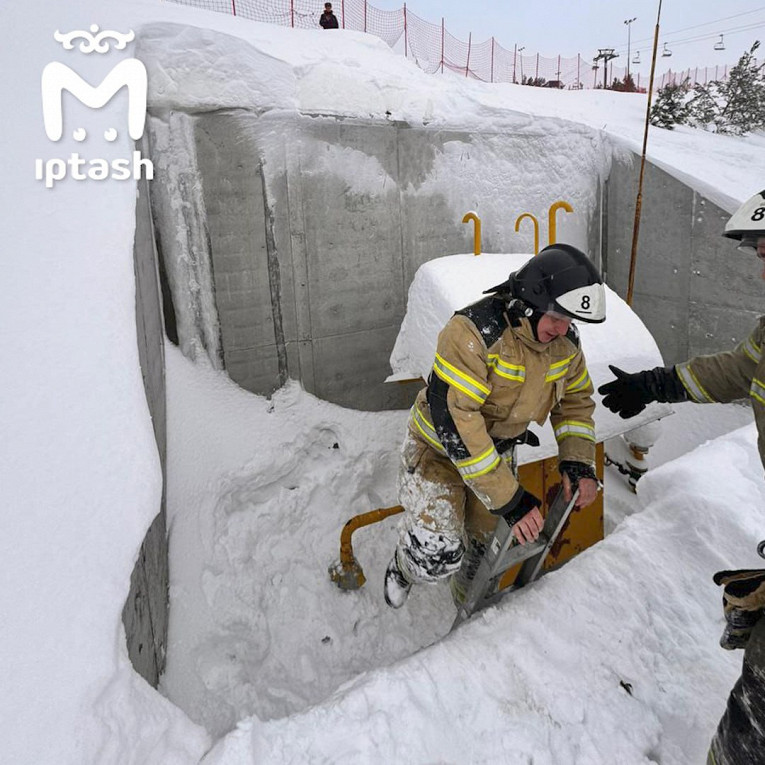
x=562 y=363
x=472 y=467
x=574 y=428
x=503 y=369
x=478 y=466
x=558 y=369
x=427 y=430
x=474 y=460
x=752 y=350
x=581 y=382
x=757 y=391
x=451 y=375
x=692 y=385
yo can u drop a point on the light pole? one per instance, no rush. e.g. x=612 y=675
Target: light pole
x=520 y=50
x=628 y=22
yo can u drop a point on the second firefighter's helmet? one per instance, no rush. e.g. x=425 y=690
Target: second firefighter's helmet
x=560 y=278
x=747 y=224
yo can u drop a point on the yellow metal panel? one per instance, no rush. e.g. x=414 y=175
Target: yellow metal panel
x=584 y=526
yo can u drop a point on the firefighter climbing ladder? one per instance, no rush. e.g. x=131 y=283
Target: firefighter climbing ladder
x=503 y=553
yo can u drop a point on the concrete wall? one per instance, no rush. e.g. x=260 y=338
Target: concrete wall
x=309 y=230
x=145 y=614
x=693 y=290
x=316 y=226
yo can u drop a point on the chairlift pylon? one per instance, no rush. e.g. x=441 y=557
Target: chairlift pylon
x=666 y=51
x=720 y=45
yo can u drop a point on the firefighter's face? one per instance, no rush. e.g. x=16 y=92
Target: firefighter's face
x=761 y=255
x=552 y=325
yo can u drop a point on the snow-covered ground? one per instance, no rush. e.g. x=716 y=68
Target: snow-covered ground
x=612 y=659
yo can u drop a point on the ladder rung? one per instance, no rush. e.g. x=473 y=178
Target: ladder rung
x=517 y=554
x=502 y=554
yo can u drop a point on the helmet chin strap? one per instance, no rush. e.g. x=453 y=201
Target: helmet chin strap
x=517 y=310
x=534 y=321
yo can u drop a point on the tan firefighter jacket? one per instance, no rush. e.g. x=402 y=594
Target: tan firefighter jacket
x=489 y=381
x=732 y=375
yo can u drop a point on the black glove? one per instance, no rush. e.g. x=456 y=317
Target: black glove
x=521 y=503
x=576 y=470
x=743 y=604
x=628 y=394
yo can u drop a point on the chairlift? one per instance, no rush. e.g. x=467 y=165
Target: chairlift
x=666 y=51
x=720 y=45
x=636 y=59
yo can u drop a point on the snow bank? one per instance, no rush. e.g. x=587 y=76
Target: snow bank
x=612 y=659
x=81 y=480
x=236 y=63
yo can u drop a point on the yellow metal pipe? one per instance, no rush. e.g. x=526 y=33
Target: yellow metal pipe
x=346 y=573
x=476 y=231
x=552 y=225
x=536 y=228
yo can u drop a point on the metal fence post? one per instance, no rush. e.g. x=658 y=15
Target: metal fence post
x=442 y=44
x=406 y=50
x=515 y=53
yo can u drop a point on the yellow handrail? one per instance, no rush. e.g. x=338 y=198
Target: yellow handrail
x=536 y=228
x=551 y=227
x=346 y=573
x=476 y=231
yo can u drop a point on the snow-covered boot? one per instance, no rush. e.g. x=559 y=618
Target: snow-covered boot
x=397 y=586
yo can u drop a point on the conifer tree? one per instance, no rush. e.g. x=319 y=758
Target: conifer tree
x=670 y=108
x=743 y=96
x=703 y=107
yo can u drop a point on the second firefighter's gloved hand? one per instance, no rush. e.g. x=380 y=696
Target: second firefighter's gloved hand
x=628 y=394
x=743 y=604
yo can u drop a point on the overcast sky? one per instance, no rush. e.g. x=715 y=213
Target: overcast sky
x=563 y=27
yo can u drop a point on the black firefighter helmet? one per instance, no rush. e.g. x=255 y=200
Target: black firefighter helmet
x=560 y=278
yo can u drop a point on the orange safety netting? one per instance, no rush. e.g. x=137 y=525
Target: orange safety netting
x=434 y=49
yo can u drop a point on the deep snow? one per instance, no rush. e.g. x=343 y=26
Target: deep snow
x=540 y=676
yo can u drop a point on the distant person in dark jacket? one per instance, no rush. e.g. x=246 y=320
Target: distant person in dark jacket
x=328 y=20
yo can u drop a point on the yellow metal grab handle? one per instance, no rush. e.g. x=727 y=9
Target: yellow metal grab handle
x=476 y=231
x=552 y=231
x=536 y=228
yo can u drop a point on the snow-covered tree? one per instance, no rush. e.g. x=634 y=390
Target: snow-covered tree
x=703 y=107
x=670 y=107
x=735 y=106
x=743 y=96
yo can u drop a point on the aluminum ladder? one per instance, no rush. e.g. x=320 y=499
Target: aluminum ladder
x=504 y=552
